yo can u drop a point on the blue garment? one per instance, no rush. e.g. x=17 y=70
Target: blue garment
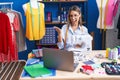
x=72 y=36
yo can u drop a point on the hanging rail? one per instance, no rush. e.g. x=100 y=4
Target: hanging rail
x=4 y=3
x=7 y=3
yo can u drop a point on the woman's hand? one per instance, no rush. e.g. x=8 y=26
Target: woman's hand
x=59 y=33
x=79 y=45
x=58 y=30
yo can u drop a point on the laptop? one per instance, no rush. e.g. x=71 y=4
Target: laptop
x=58 y=59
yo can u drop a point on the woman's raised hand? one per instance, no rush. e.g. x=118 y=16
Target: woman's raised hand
x=58 y=30
x=59 y=33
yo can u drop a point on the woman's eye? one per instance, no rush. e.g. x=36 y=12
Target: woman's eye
x=73 y=15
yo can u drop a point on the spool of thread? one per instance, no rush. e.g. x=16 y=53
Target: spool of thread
x=115 y=54
x=110 y=54
x=119 y=50
x=118 y=47
x=107 y=52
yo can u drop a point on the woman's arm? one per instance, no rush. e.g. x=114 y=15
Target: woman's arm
x=60 y=41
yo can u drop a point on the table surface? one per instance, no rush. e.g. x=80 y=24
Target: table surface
x=77 y=75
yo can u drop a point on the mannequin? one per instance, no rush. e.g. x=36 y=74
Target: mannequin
x=35 y=22
x=101 y=18
x=33 y=4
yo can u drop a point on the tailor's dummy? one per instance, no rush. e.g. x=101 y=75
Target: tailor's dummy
x=35 y=22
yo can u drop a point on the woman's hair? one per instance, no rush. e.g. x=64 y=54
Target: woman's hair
x=77 y=9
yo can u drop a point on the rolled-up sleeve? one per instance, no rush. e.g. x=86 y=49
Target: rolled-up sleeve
x=60 y=45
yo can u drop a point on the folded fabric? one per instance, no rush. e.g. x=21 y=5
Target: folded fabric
x=37 y=70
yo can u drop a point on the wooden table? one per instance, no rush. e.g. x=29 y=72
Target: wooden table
x=77 y=75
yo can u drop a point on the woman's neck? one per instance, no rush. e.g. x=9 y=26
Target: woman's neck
x=74 y=27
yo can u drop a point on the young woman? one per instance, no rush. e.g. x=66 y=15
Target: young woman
x=69 y=37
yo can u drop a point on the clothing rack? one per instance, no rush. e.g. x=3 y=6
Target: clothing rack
x=11 y=7
x=7 y=3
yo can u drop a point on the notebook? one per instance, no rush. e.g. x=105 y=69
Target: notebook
x=59 y=59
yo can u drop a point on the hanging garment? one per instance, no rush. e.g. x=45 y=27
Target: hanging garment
x=117 y=11
x=110 y=14
x=5 y=38
x=118 y=26
x=13 y=51
x=111 y=38
x=5 y=30
x=35 y=24
x=103 y=13
x=117 y=19
x=20 y=33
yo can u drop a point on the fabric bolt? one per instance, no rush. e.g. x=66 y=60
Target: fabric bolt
x=33 y=30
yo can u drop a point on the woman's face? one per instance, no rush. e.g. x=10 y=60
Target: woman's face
x=74 y=17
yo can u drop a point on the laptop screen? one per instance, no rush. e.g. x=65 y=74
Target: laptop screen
x=58 y=59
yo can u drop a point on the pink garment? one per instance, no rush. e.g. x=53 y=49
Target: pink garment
x=16 y=23
x=110 y=12
x=14 y=28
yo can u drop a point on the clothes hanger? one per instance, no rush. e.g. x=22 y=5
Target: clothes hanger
x=6 y=6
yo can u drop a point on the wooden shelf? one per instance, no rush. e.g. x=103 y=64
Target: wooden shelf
x=58 y=22
x=55 y=23
x=45 y=44
x=65 y=1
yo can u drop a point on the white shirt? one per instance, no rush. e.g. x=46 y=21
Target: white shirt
x=73 y=37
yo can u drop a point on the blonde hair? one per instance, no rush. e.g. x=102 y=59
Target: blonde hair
x=77 y=9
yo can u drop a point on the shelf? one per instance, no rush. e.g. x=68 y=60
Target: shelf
x=65 y=1
x=45 y=44
x=55 y=23
x=58 y=23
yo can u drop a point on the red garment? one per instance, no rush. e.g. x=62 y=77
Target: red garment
x=8 y=47
x=5 y=30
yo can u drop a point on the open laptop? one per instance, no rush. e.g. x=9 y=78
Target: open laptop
x=58 y=59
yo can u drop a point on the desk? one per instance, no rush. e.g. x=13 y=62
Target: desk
x=77 y=75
